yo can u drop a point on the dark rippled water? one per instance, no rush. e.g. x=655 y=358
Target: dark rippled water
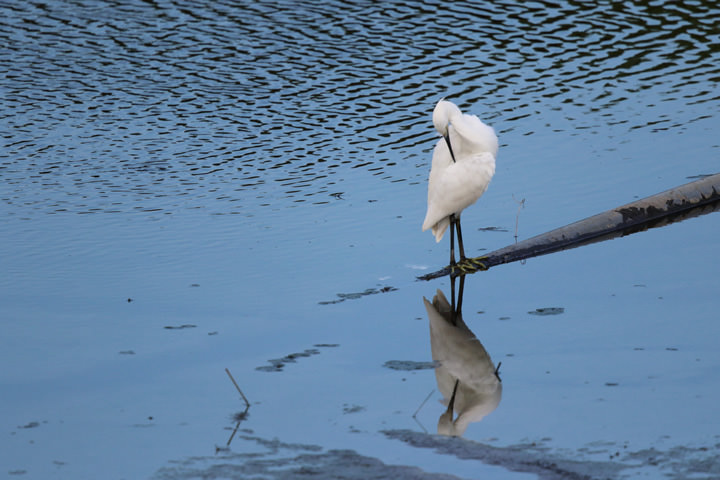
x=132 y=130
x=170 y=105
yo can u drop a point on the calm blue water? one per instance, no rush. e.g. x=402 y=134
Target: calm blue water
x=253 y=176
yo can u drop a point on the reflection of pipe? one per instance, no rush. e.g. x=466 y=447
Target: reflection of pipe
x=690 y=200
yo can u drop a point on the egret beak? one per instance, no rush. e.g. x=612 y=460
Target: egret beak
x=451 y=403
x=445 y=422
x=447 y=140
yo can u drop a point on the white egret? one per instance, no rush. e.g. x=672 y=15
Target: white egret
x=463 y=164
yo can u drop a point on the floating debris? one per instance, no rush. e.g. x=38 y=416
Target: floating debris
x=143 y=425
x=180 y=327
x=126 y=352
x=352 y=409
x=547 y=311
x=277 y=364
x=409 y=365
x=354 y=296
x=239 y=416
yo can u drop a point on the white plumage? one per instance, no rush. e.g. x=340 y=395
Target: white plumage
x=463 y=164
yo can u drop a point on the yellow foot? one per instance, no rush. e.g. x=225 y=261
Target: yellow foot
x=468 y=265
x=454 y=269
x=478 y=262
x=459 y=269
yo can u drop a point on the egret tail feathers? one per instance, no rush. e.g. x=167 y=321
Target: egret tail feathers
x=438 y=229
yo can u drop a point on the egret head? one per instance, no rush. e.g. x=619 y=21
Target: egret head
x=443 y=114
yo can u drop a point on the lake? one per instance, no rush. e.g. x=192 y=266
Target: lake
x=190 y=187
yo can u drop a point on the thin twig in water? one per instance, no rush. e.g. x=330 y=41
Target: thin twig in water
x=423 y=403
x=521 y=204
x=238 y=388
x=233 y=434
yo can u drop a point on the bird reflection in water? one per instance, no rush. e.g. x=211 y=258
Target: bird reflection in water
x=466 y=375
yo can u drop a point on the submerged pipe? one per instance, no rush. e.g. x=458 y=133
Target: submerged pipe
x=690 y=200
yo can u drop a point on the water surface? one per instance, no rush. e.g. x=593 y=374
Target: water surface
x=253 y=177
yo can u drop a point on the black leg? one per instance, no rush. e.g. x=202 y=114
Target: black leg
x=452 y=300
x=460 y=241
x=452 y=239
x=460 y=295
x=456 y=305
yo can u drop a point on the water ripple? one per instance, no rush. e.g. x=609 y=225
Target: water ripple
x=160 y=106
